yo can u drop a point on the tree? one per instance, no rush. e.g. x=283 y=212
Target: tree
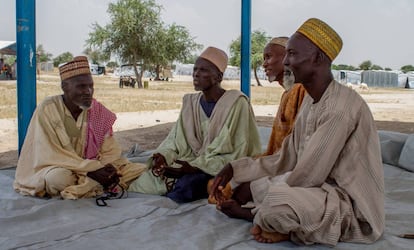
x=343 y=67
x=42 y=55
x=62 y=58
x=136 y=35
x=376 y=67
x=133 y=27
x=96 y=56
x=112 y=64
x=259 y=39
x=365 y=65
x=407 y=68
x=173 y=44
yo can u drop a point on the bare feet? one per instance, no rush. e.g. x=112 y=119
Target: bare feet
x=267 y=237
x=233 y=210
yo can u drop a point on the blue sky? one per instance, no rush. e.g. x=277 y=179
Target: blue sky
x=376 y=30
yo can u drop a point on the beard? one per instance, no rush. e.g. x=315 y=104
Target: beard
x=288 y=79
x=271 y=78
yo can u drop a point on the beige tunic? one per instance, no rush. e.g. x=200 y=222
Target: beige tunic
x=55 y=140
x=335 y=188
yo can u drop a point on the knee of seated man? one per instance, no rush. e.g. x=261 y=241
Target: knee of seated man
x=58 y=179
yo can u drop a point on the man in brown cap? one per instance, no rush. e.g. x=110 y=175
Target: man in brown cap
x=69 y=149
x=215 y=126
x=326 y=184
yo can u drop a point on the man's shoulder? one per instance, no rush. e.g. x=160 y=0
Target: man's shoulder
x=49 y=100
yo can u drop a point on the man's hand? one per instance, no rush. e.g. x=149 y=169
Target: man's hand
x=158 y=164
x=220 y=182
x=186 y=168
x=107 y=176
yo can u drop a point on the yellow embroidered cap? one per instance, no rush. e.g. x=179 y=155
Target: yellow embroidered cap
x=78 y=66
x=216 y=56
x=323 y=36
x=282 y=41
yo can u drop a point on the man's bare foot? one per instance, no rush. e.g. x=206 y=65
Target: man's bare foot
x=267 y=237
x=233 y=210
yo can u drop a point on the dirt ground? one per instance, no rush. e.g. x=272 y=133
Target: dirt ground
x=150 y=137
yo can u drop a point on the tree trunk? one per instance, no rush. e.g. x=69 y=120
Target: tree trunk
x=138 y=75
x=157 y=73
x=257 y=78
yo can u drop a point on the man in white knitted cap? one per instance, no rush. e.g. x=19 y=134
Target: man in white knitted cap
x=215 y=126
x=69 y=149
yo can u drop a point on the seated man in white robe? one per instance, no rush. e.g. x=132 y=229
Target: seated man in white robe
x=215 y=126
x=326 y=184
x=69 y=149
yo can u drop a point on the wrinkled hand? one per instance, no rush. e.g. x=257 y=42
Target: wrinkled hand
x=220 y=182
x=107 y=176
x=185 y=168
x=158 y=164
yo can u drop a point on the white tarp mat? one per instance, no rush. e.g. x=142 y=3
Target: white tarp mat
x=154 y=222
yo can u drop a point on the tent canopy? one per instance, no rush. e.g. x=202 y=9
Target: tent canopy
x=8 y=47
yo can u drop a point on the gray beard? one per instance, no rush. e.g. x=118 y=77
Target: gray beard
x=288 y=81
x=83 y=107
x=272 y=78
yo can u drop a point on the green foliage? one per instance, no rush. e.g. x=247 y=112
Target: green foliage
x=42 y=55
x=376 y=67
x=136 y=35
x=387 y=69
x=62 y=58
x=407 y=68
x=259 y=39
x=365 y=65
x=190 y=59
x=112 y=64
x=9 y=59
x=96 y=56
x=343 y=67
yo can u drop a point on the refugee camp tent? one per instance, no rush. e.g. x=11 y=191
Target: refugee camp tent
x=7 y=48
x=406 y=80
x=347 y=76
x=380 y=78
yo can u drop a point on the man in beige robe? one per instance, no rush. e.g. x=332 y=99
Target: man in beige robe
x=215 y=126
x=326 y=184
x=69 y=149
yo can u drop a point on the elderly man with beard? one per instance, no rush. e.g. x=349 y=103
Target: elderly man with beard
x=326 y=183
x=292 y=97
x=215 y=126
x=69 y=149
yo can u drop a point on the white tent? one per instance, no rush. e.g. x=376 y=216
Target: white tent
x=8 y=47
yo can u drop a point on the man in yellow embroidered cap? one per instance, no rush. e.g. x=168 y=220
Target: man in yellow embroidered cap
x=69 y=149
x=326 y=184
x=214 y=127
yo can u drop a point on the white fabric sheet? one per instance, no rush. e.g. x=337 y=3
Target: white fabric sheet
x=154 y=222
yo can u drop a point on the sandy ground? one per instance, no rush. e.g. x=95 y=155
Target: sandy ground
x=392 y=110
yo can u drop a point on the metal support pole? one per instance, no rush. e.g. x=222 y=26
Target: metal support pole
x=245 y=46
x=26 y=64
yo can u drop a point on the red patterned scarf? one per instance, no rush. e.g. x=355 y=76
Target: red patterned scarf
x=100 y=121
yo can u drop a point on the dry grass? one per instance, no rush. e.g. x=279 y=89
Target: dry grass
x=163 y=95
x=159 y=96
